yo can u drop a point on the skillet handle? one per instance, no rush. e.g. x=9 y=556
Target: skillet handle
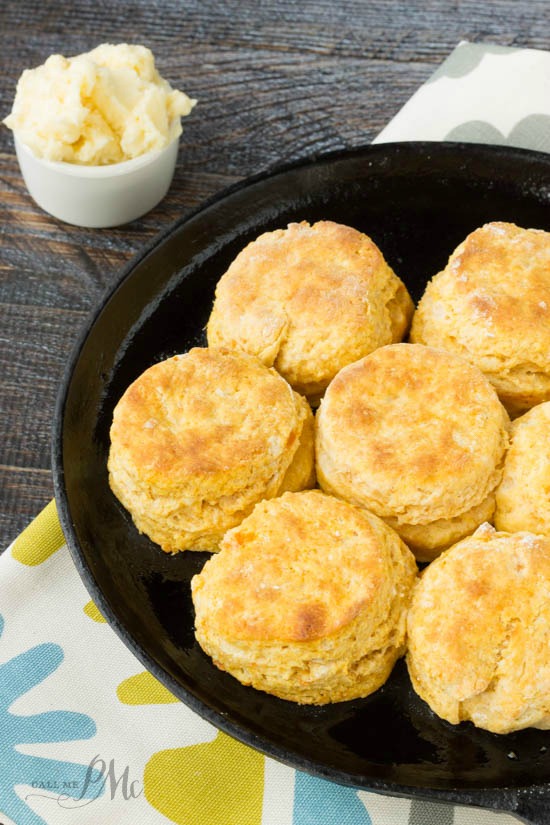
x=533 y=807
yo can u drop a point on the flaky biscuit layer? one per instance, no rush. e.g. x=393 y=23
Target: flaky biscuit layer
x=478 y=632
x=416 y=435
x=306 y=600
x=308 y=300
x=427 y=541
x=197 y=440
x=523 y=496
x=491 y=305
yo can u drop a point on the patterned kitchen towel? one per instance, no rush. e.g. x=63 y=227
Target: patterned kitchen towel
x=481 y=94
x=86 y=735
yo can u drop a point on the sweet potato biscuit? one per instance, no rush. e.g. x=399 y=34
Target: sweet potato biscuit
x=308 y=300
x=418 y=436
x=306 y=600
x=197 y=440
x=491 y=304
x=478 y=632
x=523 y=496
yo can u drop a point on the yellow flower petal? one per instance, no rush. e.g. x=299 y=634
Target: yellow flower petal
x=40 y=539
x=213 y=783
x=91 y=610
x=144 y=689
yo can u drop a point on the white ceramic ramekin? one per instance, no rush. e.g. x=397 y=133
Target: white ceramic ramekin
x=98 y=196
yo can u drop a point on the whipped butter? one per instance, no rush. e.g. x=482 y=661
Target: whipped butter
x=106 y=106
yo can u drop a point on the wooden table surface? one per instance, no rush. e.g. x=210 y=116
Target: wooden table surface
x=276 y=80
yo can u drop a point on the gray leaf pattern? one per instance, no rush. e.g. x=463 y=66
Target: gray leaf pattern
x=430 y=813
x=532 y=132
x=466 y=58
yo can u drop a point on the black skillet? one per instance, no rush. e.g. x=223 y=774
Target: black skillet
x=417 y=201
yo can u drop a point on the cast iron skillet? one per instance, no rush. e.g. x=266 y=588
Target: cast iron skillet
x=417 y=201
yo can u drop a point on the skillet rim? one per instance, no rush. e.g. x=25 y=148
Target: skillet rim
x=505 y=798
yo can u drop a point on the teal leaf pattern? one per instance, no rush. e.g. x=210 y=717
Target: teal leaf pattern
x=317 y=801
x=17 y=676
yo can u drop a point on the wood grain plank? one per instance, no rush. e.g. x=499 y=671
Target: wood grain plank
x=24 y=494
x=34 y=347
x=377 y=28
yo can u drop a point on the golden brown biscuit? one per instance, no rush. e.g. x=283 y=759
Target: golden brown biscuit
x=308 y=300
x=197 y=440
x=491 y=304
x=523 y=496
x=306 y=600
x=418 y=436
x=478 y=632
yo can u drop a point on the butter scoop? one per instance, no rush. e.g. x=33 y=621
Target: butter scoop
x=106 y=106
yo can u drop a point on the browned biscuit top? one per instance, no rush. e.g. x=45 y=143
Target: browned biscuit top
x=502 y=274
x=300 y=568
x=478 y=631
x=491 y=304
x=213 y=419
x=308 y=299
x=523 y=497
x=413 y=432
